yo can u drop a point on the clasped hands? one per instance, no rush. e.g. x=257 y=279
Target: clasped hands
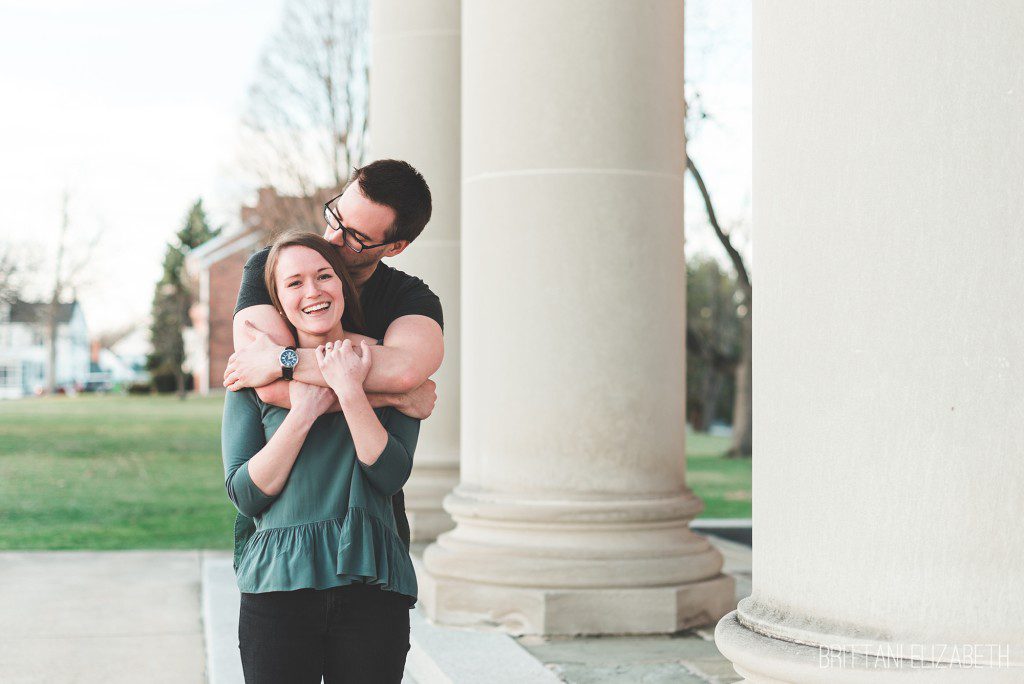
x=343 y=369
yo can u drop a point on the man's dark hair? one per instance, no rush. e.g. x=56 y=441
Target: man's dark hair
x=398 y=185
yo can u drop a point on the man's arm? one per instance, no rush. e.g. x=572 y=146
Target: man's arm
x=418 y=404
x=405 y=359
x=412 y=351
x=266 y=318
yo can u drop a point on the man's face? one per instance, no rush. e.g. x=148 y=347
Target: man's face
x=369 y=220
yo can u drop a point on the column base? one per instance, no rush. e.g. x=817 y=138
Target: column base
x=426 y=526
x=519 y=610
x=762 y=659
x=597 y=565
x=424 y=496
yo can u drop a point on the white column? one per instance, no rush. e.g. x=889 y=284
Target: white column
x=572 y=510
x=888 y=373
x=414 y=115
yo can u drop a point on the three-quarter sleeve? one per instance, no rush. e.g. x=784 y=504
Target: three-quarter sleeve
x=389 y=473
x=242 y=437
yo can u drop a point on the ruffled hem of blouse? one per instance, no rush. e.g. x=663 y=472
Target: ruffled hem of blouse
x=358 y=547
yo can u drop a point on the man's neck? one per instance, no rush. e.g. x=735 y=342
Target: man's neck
x=359 y=277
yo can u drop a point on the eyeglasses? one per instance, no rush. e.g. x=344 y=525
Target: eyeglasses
x=351 y=240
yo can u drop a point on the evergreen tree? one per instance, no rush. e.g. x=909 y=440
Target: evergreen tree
x=171 y=301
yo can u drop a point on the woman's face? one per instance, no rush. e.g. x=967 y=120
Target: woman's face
x=310 y=291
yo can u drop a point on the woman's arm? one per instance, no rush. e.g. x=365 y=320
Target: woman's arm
x=369 y=435
x=242 y=438
x=256 y=470
x=384 y=455
x=270 y=467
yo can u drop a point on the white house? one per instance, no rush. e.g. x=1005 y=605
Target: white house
x=120 y=365
x=23 y=347
x=125 y=360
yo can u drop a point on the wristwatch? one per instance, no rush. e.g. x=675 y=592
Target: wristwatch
x=289 y=359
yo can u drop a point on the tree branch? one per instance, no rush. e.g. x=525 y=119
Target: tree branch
x=734 y=256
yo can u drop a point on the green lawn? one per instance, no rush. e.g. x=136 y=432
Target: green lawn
x=112 y=473
x=145 y=473
x=723 y=483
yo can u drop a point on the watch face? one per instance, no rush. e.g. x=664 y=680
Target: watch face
x=289 y=358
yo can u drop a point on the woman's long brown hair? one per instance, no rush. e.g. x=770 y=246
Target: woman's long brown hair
x=301 y=238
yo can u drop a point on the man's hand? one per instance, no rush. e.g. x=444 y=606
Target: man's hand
x=256 y=364
x=418 y=403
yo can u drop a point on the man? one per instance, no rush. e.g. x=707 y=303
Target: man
x=382 y=210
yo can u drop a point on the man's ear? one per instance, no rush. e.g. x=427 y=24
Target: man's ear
x=396 y=248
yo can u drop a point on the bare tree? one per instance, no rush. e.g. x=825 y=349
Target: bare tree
x=742 y=419
x=306 y=119
x=12 y=274
x=68 y=272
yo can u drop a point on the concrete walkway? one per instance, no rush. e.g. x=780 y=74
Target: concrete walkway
x=172 y=616
x=101 y=617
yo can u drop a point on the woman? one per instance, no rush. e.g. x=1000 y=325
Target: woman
x=326 y=581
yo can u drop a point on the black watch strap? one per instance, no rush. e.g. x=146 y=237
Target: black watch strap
x=287 y=371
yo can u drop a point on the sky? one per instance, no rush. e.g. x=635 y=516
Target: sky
x=718 y=77
x=133 y=107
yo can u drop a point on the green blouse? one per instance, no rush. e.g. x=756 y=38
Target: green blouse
x=333 y=523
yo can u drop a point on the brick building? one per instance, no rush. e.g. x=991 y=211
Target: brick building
x=216 y=267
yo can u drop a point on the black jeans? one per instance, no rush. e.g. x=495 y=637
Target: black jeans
x=355 y=634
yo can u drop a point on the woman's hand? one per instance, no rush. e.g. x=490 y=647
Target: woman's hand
x=310 y=400
x=343 y=369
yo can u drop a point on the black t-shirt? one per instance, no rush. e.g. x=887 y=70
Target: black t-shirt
x=387 y=295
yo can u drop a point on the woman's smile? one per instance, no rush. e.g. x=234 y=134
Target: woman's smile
x=316 y=309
